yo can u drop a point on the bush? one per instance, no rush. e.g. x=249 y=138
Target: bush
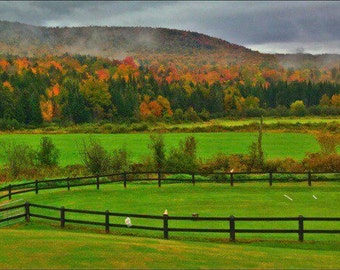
x=328 y=142
x=120 y=160
x=183 y=158
x=158 y=151
x=19 y=158
x=47 y=154
x=318 y=162
x=9 y=124
x=95 y=158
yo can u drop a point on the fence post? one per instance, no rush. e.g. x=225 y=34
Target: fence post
x=231 y=179
x=68 y=184
x=165 y=226
x=124 y=177
x=301 y=228
x=9 y=191
x=36 y=187
x=309 y=178
x=270 y=179
x=159 y=178
x=193 y=178
x=107 y=221
x=62 y=216
x=232 y=228
x=97 y=181
x=27 y=212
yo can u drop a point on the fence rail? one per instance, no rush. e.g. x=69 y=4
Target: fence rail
x=165 y=177
x=31 y=210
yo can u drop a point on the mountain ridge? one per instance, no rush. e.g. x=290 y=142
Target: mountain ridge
x=143 y=43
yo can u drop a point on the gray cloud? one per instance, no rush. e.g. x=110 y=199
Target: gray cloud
x=309 y=25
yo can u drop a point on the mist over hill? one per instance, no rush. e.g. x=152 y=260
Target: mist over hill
x=145 y=44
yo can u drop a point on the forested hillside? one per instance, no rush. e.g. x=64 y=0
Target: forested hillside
x=81 y=89
x=85 y=74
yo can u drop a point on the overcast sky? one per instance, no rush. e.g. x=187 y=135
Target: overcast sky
x=266 y=26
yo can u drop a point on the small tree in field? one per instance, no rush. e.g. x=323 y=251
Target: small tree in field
x=255 y=158
x=328 y=142
x=47 y=154
x=19 y=157
x=120 y=160
x=157 y=147
x=95 y=158
x=183 y=158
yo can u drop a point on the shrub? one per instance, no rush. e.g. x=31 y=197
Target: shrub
x=19 y=158
x=157 y=147
x=219 y=162
x=95 y=158
x=9 y=124
x=328 y=142
x=183 y=158
x=47 y=154
x=318 y=162
x=120 y=160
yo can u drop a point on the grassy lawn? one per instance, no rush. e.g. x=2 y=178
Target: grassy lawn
x=207 y=199
x=43 y=244
x=36 y=246
x=276 y=145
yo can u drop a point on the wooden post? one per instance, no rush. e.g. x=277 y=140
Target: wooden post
x=124 y=177
x=68 y=184
x=36 y=187
x=9 y=191
x=165 y=226
x=159 y=179
x=193 y=178
x=309 y=178
x=301 y=228
x=270 y=179
x=232 y=228
x=27 y=212
x=107 y=221
x=231 y=179
x=97 y=178
x=62 y=216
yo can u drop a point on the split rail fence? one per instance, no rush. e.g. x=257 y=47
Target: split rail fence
x=30 y=211
x=167 y=177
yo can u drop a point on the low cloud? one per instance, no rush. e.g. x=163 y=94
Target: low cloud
x=256 y=25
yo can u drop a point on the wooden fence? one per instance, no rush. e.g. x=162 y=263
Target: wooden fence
x=30 y=211
x=167 y=177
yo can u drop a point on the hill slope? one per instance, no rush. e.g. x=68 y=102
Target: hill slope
x=143 y=43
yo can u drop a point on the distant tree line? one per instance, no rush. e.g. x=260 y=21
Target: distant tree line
x=79 y=89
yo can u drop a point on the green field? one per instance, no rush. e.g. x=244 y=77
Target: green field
x=43 y=244
x=275 y=145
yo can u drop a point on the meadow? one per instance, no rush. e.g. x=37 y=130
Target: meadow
x=41 y=244
x=275 y=144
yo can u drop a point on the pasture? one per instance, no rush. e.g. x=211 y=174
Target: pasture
x=42 y=244
x=275 y=145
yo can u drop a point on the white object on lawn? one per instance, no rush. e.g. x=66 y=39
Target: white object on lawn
x=289 y=198
x=315 y=197
x=128 y=222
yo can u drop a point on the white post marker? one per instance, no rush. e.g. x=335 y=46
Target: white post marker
x=128 y=222
x=315 y=197
x=289 y=198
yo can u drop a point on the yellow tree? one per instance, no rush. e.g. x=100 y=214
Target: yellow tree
x=232 y=99
x=97 y=96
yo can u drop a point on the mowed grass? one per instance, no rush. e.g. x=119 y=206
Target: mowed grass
x=34 y=246
x=206 y=199
x=43 y=244
x=276 y=145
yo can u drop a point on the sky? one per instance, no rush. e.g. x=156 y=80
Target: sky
x=265 y=26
